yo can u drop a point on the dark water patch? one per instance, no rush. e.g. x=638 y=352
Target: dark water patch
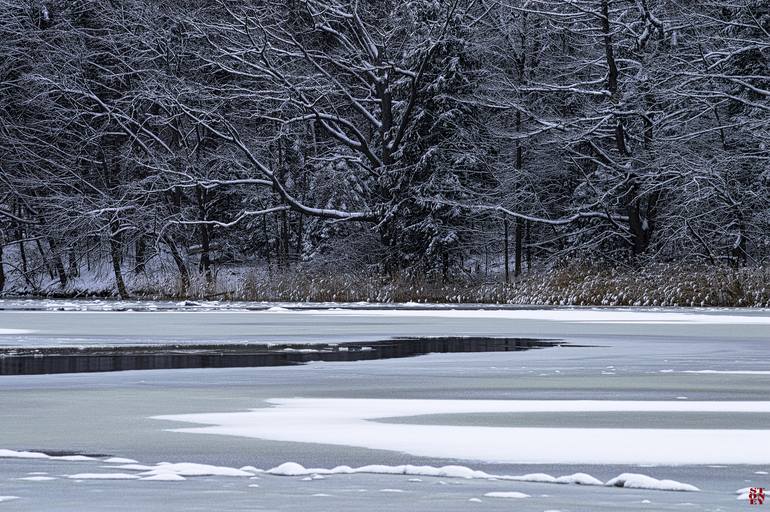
x=44 y=360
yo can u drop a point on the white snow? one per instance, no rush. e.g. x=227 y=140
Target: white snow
x=73 y=458
x=729 y=372
x=103 y=476
x=191 y=469
x=132 y=467
x=625 y=480
x=165 y=477
x=37 y=478
x=639 y=481
x=351 y=422
x=294 y=469
x=184 y=469
x=578 y=315
x=13 y=454
x=120 y=460
x=509 y=494
x=8 y=498
x=579 y=479
x=4 y=332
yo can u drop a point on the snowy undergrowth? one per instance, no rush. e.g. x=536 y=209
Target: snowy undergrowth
x=650 y=285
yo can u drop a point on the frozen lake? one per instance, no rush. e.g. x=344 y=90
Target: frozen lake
x=672 y=394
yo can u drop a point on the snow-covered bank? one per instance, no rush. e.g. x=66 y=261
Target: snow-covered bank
x=351 y=422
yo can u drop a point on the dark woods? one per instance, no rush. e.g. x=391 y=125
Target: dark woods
x=427 y=136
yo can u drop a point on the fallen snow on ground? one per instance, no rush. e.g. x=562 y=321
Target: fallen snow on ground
x=8 y=498
x=4 y=332
x=350 y=422
x=638 y=481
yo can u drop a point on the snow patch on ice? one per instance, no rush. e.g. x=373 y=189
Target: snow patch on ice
x=295 y=469
x=610 y=316
x=13 y=454
x=73 y=458
x=354 y=422
x=120 y=460
x=37 y=478
x=191 y=469
x=165 y=477
x=103 y=476
x=578 y=479
x=728 y=372
x=639 y=481
x=8 y=498
x=508 y=494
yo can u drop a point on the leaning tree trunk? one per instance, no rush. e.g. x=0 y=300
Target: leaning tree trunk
x=115 y=253
x=184 y=274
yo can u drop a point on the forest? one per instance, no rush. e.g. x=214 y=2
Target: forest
x=192 y=142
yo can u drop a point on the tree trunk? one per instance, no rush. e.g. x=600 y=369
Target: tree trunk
x=507 y=256
x=283 y=246
x=2 y=269
x=205 y=237
x=72 y=266
x=519 y=237
x=115 y=253
x=267 y=239
x=57 y=263
x=184 y=274
x=300 y=228
x=140 y=249
x=528 y=238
